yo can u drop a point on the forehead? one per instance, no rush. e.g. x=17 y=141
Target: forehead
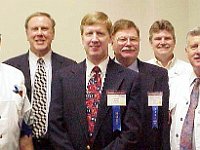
x=162 y=33
x=194 y=39
x=39 y=20
x=95 y=27
x=127 y=32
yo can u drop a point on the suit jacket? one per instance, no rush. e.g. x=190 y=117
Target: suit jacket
x=22 y=62
x=68 y=125
x=154 y=79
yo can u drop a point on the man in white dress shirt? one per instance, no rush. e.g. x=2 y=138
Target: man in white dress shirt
x=181 y=90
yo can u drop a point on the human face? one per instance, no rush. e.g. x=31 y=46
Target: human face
x=163 y=44
x=125 y=44
x=40 y=35
x=193 y=51
x=95 y=39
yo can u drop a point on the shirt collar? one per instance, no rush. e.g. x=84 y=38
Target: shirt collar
x=169 y=65
x=46 y=58
x=192 y=78
x=133 y=66
x=102 y=65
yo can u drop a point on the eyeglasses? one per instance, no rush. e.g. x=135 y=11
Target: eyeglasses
x=125 y=39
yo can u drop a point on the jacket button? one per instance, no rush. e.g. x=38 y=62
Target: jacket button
x=88 y=147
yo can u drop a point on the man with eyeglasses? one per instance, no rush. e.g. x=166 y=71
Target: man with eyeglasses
x=154 y=84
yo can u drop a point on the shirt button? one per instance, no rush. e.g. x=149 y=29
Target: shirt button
x=1 y=136
x=177 y=135
x=181 y=119
x=88 y=147
x=187 y=103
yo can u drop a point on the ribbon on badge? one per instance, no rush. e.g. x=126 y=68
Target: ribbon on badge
x=116 y=118
x=154 y=116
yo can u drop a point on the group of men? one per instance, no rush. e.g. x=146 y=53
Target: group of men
x=115 y=103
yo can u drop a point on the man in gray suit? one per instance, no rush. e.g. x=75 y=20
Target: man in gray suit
x=40 y=31
x=154 y=82
x=86 y=116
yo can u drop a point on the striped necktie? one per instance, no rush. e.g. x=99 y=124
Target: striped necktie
x=39 y=100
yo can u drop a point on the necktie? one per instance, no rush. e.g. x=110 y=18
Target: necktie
x=39 y=100
x=187 y=129
x=93 y=97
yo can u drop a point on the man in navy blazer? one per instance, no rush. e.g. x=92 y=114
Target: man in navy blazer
x=154 y=80
x=68 y=127
x=40 y=33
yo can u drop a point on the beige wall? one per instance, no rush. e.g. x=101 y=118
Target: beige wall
x=183 y=14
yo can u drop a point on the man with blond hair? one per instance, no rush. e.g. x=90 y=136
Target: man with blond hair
x=86 y=113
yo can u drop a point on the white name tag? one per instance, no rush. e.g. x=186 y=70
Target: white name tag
x=116 y=98
x=155 y=98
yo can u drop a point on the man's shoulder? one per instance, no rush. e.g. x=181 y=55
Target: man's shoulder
x=152 y=69
x=10 y=70
x=182 y=63
x=62 y=58
x=15 y=59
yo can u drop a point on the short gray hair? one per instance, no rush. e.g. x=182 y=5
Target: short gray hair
x=194 y=32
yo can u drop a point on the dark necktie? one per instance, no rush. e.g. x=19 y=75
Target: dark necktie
x=188 y=125
x=93 y=97
x=39 y=100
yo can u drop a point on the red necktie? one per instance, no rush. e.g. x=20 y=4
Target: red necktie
x=93 y=97
x=188 y=125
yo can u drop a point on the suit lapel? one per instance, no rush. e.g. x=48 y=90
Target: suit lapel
x=112 y=73
x=56 y=64
x=80 y=80
x=147 y=80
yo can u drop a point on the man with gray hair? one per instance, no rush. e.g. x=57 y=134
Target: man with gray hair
x=185 y=92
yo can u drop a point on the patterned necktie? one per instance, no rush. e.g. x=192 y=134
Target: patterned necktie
x=93 y=97
x=187 y=129
x=39 y=100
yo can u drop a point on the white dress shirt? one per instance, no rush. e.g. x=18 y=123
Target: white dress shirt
x=13 y=106
x=102 y=66
x=180 y=95
x=48 y=67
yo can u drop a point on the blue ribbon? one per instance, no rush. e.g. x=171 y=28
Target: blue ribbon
x=116 y=118
x=154 y=116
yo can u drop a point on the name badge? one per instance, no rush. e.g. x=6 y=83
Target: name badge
x=155 y=98
x=116 y=98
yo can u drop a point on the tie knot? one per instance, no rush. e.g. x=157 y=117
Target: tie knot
x=40 y=61
x=96 y=69
x=197 y=81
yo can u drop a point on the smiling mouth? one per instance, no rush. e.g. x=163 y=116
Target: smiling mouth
x=128 y=50
x=39 y=41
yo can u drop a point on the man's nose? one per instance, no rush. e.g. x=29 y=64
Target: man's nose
x=94 y=37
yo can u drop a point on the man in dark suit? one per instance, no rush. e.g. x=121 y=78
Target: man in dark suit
x=40 y=31
x=154 y=83
x=71 y=114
